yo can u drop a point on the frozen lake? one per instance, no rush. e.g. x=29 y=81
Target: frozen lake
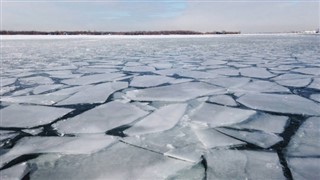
x=160 y=107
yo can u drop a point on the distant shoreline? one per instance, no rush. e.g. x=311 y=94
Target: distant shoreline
x=62 y=37
x=178 y=32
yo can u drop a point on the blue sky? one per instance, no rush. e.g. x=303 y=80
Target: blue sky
x=119 y=15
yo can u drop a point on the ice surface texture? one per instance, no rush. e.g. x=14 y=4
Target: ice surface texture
x=160 y=107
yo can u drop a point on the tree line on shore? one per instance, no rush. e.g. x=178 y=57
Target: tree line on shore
x=179 y=32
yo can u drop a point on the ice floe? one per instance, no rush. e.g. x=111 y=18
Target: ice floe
x=261 y=86
x=44 y=88
x=293 y=80
x=138 y=69
x=264 y=122
x=62 y=145
x=7 y=81
x=43 y=99
x=212 y=138
x=92 y=79
x=304 y=168
x=256 y=72
x=94 y=94
x=306 y=140
x=101 y=119
x=149 y=80
x=160 y=120
x=233 y=164
x=15 y=172
x=176 y=92
x=215 y=115
x=315 y=84
x=228 y=82
x=25 y=116
x=223 y=100
x=281 y=103
x=259 y=138
x=111 y=164
x=315 y=97
x=179 y=142
x=310 y=70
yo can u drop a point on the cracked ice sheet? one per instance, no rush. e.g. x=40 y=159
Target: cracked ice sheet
x=111 y=164
x=256 y=72
x=179 y=142
x=304 y=168
x=233 y=164
x=149 y=80
x=63 y=145
x=215 y=115
x=91 y=79
x=160 y=120
x=101 y=119
x=306 y=140
x=24 y=116
x=15 y=172
x=177 y=92
x=259 y=138
x=281 y=103
x=95 y=94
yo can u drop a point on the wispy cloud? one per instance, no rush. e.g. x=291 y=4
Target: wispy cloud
x=120 y=15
